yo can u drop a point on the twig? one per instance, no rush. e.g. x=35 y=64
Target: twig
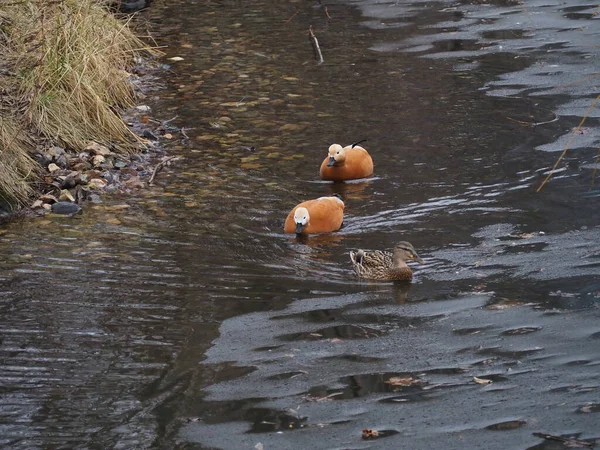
x=327 y=14
x=170 y=120
x=564 y=152
x=568 y=441
x=596 y=160
x=315 y=44
x=534 y=124
x=294 y=15
x=182 y=131
x=159 y=166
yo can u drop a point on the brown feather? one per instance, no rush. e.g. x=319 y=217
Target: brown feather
x=384 y=266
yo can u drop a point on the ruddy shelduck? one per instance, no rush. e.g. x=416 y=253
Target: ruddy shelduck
x=320 y=215
x=346 y=163
x=385 y=266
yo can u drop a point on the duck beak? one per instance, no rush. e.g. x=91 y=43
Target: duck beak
x=419 y=260
x=299 y=227
x=331 y=161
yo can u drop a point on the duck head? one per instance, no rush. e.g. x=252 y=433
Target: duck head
x=337 y=155
x=404 y=251
x=301 y=219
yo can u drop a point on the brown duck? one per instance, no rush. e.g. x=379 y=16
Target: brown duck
x=385 y=266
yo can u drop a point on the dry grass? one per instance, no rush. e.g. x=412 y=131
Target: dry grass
x=16 y=167
x=63 y=76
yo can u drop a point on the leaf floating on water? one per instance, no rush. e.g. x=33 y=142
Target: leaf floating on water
x=368 y=433
x=290 y=127
x=402 y=381
x=508 y=425
x=251 y=166
x=117 y=207
x=481 y=380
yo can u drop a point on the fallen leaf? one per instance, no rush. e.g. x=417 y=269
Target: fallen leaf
x=65 y=195
x=481 y=380
x=402 y=381
x=369 y=434
x=176 y=58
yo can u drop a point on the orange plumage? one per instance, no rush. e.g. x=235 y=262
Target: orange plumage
x=320 y=215
x=347 y=163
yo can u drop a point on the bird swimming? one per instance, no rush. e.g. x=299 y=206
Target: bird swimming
x=346 y=163
x=320 y=215
x=383 y=265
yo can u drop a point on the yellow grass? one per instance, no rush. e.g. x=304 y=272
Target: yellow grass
x=63 y=77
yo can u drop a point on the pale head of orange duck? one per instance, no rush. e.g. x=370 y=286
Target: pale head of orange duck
x=337 y=155
x=301 y=219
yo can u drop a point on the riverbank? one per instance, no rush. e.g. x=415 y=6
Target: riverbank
x=71 y=73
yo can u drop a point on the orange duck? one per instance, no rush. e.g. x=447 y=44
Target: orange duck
x=346 y=163
x=321 y=215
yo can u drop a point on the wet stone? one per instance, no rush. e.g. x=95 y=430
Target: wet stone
x=65 y=208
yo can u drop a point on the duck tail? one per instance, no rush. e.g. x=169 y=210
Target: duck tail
x=358 y=142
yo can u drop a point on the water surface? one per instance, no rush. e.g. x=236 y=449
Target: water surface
x=182 y=316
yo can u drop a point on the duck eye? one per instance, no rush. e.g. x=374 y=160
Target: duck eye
x=337 y=153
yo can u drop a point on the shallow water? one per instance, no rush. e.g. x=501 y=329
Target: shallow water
x=182 y=316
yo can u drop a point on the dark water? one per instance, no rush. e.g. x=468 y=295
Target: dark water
x=182 y=317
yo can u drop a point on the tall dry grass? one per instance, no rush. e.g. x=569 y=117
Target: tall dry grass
x=64 y=77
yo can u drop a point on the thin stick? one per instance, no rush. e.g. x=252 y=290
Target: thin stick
x=564 y=152
x=294 y=15
x=565 y=440
x=534 y=124
x=327 y=13
x=159 y=166
x=595 y=166
x=315 y=44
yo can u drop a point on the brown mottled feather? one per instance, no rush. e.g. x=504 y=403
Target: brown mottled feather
x=358 y=164
x=326 y=214
x=385 y=266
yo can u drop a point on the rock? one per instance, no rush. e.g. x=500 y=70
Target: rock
x=82 y=166
x=54 y=152
x=68 y=182
x=53 y=167
x=149 y=135
x=65 y=208
x=92 y=174
x=97 y=183
x=97 y=149
x=97 y=160
x=37 y=204
x=143 y=108
x=61 y=161
x=42 y=159
x=82 y=178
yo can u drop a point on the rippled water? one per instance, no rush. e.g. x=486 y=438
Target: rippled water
x=182 y=316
